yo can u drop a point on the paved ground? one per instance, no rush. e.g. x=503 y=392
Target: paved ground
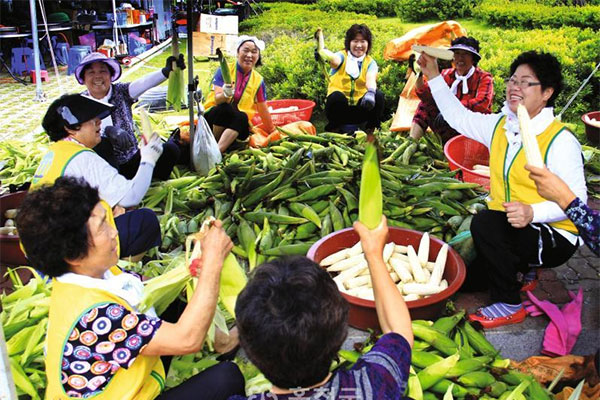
x=21 y=114
x=523 y=340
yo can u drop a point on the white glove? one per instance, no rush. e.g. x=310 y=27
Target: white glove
x=151 y=151
x=228 y=90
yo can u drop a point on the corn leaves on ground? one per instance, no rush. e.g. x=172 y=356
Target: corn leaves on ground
x=319 y=184
x=452 y=360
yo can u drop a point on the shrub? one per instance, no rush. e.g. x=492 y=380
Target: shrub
x=291 y=72
x=422 y=10
x=532 y=15
x=381 y=8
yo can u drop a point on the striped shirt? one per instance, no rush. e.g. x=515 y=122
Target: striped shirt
x=379 y=374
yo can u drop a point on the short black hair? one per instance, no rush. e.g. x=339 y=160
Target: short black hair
x=471 y=42
x=358 y=29
x=52 y=224
x=547 y=70
x=88 y=66
x=292 y=321
x=53 y=123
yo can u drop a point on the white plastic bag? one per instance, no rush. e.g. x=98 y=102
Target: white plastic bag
x=204 y=149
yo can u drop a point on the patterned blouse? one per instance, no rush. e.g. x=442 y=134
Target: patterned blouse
x=587 y=222
x=104 y=339
x=122 y=118
x=381 y=373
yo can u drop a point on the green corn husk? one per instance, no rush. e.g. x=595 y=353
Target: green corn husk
x=161 y=291
x=370 y=203
x=224 y=66
x=176 y=88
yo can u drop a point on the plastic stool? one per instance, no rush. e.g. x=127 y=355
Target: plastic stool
x=61 y=50
x=43 y=76
x=22 y=61
x=76 y=54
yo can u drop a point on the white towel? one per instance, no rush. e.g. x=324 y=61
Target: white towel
x=352 y=65
x=463 y=79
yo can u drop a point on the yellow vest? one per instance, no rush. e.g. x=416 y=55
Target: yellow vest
x=515 y=185
x=143 y=380
x=53 y=166
x=353 y=89
x=247 y=102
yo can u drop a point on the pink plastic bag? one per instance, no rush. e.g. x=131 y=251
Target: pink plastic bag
x=88 y=40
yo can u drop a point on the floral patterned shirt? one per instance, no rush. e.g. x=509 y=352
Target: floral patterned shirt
x=105 y=338
x=587 y=222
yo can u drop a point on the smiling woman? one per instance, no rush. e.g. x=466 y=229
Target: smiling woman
x=230 y=106
x=119 y=145
x=73 y=124
x=352 y=96
x=473 y=86
x=521 y=229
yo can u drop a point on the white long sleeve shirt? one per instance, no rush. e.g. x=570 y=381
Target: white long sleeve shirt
x=564 y=156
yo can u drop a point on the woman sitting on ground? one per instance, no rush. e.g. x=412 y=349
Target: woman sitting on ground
x=521 y=229
x=231 y=106
x=352 y=96
x=473 y=86
x=73 y=123
x=120 y=146
x=98 y=343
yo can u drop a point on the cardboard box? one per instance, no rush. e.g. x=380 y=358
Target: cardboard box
x=206 y=44
x=223 y=24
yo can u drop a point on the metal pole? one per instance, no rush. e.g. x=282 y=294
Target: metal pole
x=115 y=24
x=190 y=64
x=39 y=94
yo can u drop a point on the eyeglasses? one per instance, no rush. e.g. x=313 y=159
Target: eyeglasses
x=522 y=84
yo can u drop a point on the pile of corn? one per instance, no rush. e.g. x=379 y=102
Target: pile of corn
x=280 y=199
x=24 y=318
x=451 y=356
x=19 y=160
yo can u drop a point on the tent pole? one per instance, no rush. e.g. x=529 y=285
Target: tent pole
x=39 y=93
x=190 y=63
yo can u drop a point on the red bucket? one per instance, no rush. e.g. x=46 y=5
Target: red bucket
x=592 y=132
x=303 y=113
x=463 y=153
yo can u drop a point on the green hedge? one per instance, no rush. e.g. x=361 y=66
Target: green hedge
x=423 y=10
x=290 y=70
x=381 y=8
x=531 y=15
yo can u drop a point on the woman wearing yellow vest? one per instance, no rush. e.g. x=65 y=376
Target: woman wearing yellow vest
x=97 y=343
x=73 y=124
x=352 y=96
x=521 y=229
x=231 y=106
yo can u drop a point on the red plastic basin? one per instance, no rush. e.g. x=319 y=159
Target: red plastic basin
x=592 y=132
x=303 y=113
x=463 y=153
x=362 y=312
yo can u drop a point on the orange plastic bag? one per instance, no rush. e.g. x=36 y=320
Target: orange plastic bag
x=300 y=128
x=258 y=140
x=436 y=35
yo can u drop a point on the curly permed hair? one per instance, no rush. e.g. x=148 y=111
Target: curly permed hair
x=52 y=224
